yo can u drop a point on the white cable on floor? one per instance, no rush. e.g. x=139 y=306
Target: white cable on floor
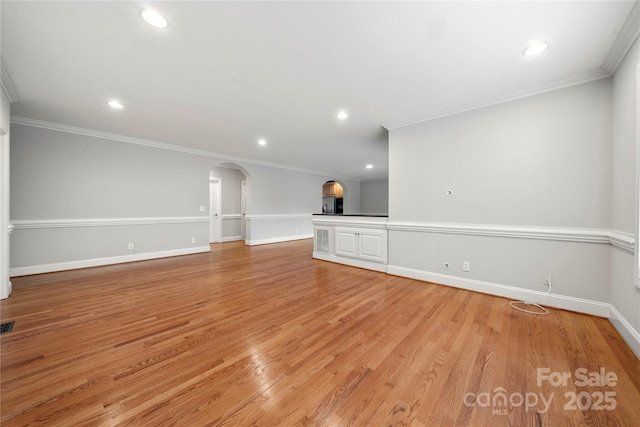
x=535 y=304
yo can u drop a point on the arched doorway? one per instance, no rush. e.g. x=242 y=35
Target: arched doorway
x=332 y=198
x=229 y=202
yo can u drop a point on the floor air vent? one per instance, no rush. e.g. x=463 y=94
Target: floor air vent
x=6 y=327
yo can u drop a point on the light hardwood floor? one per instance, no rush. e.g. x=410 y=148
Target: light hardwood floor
x=268 y=336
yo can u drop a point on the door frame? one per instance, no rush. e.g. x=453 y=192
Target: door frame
x=243 y=209
x=215 y=210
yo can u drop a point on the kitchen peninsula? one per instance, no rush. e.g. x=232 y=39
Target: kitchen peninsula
x=356 y=240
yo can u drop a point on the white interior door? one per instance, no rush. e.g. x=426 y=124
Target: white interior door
x=243 y=208
x=215 y=211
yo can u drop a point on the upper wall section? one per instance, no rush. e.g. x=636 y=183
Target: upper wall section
x=625 y=114
x=542 y=161
x=66 y=175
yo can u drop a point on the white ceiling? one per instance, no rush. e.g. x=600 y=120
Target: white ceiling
x=224 y=74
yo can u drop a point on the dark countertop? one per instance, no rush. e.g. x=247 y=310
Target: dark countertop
x=368 y=215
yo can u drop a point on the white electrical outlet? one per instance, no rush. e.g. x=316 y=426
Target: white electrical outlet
x=466 y=266
x=202 y=209
x=130 y=245
x=547 y=279
x=193 y=240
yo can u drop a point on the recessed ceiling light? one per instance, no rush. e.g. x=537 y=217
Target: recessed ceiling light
x=369 y=166
x=535 y=48
x=115 y=104
x=152 y=17
x=342 y=115
x=262 y=141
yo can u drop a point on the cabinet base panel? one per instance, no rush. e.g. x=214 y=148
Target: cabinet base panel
x=352 y=262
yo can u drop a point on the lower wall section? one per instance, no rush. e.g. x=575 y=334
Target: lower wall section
x=578 y=269
x=353 y=262
x=41 y=246
x=45 y=246
x=514 y=266
x=95 y=262
x=263 y=229
x=231 y=227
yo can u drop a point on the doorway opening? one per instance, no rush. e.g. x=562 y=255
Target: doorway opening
x=332 y=198
x=215 y=210
x=228 y=203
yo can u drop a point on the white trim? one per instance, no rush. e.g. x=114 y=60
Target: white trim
x=7 y=85
x=623 y=42
x=277 y=216
x=351 y=221
x=581 y=305
x=104 y=222
x=232 y=216
x=615 y=238
x=232 y=239
x=278 y=239
x=573 y=80
x=25 y=121
x=630 y=335
x=353 y=262
x=215 y=209
x=636 y=260
x=621 y=240
x=96 y=262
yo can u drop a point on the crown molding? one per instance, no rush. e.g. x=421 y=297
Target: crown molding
x=626 y=37
x=623 y=42
x=8 y=87
x=572 y=80
x=25 y=121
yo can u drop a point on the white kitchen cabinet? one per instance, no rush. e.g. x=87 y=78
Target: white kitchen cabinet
x=361 y=243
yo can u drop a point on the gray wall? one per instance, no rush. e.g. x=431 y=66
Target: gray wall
x=374 y=197
x=625 y=190
x=537 y=186
x=79 y=199
x=286 y=190
x=64 y=175
x=542 y=160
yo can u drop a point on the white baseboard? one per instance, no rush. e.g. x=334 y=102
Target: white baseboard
x=278 y=239
x=630 y=335
x=352 y=262
x=232 y=239
x=96 y=262
x=580 y=305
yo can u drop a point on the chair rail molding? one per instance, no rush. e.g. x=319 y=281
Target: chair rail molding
x=619 y=239
x=104 y=222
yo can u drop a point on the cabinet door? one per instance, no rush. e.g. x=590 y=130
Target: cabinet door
x=346 y=242
x=372 y=245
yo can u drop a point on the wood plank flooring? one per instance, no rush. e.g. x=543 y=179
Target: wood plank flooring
x=268 y=336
